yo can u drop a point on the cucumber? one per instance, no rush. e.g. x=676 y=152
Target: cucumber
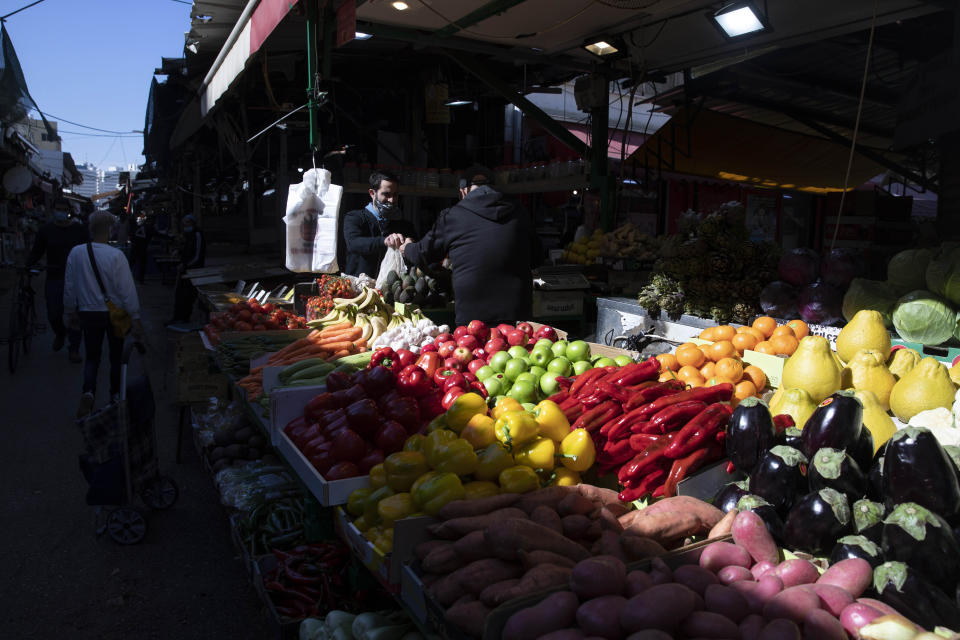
x=299 y=366
x=312 y=372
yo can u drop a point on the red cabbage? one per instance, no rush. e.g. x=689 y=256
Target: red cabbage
x=820 y=304
x=799 y=267
x=778 y=299
x=839 y=267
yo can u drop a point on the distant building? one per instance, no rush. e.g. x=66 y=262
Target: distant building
x=36 y=132
x=90 y=179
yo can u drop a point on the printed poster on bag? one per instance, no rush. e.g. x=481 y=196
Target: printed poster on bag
x=313 y=207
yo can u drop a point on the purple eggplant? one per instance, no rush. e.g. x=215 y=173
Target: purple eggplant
x=856 y=547
x=906 y=590
x=835 y=469
x=923 y=540
x=817 y=520
x=750 y=432
x=728 y=496
x=917 y=469
x=868 y=519
x=778 y=477
x=862 y=450
x=836 y=423
x=767 y=513
x=792 y=437
x=875 y=481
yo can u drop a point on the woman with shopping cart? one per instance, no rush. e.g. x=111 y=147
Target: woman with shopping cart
x=98 y=277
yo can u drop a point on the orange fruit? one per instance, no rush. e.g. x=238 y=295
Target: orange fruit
x=730 y=368
x=688 y=344
x=755 y=375
x=667 y=376
x=765 y=325
x=765 y=347
x=783 y=330
x=756 y=333
x=709 y=334
x=691 y=376
x=715 y=380
x=691 y=356
x=720 y=350
x=708 y=370
x=743 y=341
x=785 y=344
x=800 y=328
x=744 y=389
x=724 y=332
x=668 y=361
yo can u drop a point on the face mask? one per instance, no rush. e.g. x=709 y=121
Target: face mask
x=61 y=216
x=385 y=208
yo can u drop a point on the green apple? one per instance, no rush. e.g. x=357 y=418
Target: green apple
x=537 y=371
x=494 y=385
x=514 y=367
x=578 y=350
x=528 y=406
x=498 y=361
x=605 y=362
x=581 y=366
x=484 y=372
x=523 y=391
x=623 y=360
x=540 y=356
x=559 y=348
x=548 y=383
x=560 y=366
x=529 y=377
x=595 y=356
x=543 y=343
x=516 y=351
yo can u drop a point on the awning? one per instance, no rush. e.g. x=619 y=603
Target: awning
x=711 y=144
x=614 y=137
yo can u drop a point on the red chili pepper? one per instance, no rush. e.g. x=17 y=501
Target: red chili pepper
x=640 y=441
x=649 y=484
x=783 y=421
x=651 y=393
x=731 y=467
x=717 y=393
x=635 y=373
x=700 y=431
x=569 y=403
x=596 y=417
x=643 y=461
x=573 y=413
x=681 y=468
x=615 y=454
x=619 y=432
x=640 y=427
x=559 y=397
x=583 y=379
x=677 y=415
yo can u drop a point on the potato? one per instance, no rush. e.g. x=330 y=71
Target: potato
x=822 y=625
x=857 y=615
x=751 y=626
x=563 y=634
x=575 y=504
x=459 y=527
x=882 y=607
x=833 y=598
x=442 y=560
x=759 y=593
x=608 y=544
x=598 y=576
x=479 y=507
x=637 y=582
x=731 y=574
x=723 y=527
x=761 y=568
x=697 y=578
x=471 y=547
x=555 y=612
x=640 y=548
x=726 y=601
x=661 y=606
x=792 y=603
x=708 y=514
x=780 y=630
x=531 y=559
x=751 y=533
x=575 y=526
x=492 y=595
x=547 y=517
x=717 y=555
x=707 y=624
x=797 y=571
x=660 y=572
x=601 y=616
x=853 y=574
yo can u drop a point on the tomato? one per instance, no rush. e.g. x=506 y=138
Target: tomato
x=240 y=325
x=273 y=325
x=259 y=318
x=234 y=308
x=254 y=306
x=244 y=315
x=269 y=307
x=259 y=327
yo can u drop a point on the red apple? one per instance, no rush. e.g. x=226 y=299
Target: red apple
x=504 y=329
x=453 y=363
x=463 y=355
x=478 y=329
x=495 y=334
x=459 y=332
x=468 y=341
x=443 y=337
x=494 y=344
x=479 y=353
x=526 y=327
x=427 y=348
x=546 y=332
x=468 y=375
x=446 y=348
x=475 y=364
x=516 y=337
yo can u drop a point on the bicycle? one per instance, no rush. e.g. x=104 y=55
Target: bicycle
x=23 y=317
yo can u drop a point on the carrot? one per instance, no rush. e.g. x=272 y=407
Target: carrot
x=336 y=327
x=339 y=354
x=350 y=335
x=339 y=346
x=360 y=345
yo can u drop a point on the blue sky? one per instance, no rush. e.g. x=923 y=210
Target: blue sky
x=91 y=61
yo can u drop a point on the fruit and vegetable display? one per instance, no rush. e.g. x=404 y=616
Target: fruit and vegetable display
x=429 y=290
x=810 y=286
x=233 y=355
x=712 y=270
x=308 y=580
x=330 y=288
x=251 y=316
x=369 y=625
x=368 y=312
x=626 y=241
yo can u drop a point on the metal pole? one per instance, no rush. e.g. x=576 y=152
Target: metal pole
x=312 y=70
x=599 y=174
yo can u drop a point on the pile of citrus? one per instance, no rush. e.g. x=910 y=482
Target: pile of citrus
x=763 y=336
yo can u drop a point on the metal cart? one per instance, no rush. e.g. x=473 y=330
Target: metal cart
x=120 y=460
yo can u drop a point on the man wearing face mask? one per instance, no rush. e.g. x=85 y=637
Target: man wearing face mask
x=56 y=239
x=192 y=256
x=366 y=232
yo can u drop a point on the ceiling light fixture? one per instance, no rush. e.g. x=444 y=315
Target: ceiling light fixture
x=739 y=19
x=457 y=103
x=360 y=35
x=601 y=48
x=400 y=6
x=204 y=18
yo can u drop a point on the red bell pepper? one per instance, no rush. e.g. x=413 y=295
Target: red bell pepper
x=406 y=357
x=414 y=381
x=475 y=386
x=452 y=393
x=429 y=361
x=405 y=410
x=430 y=404
x=446 y=378
x=318 y=403
x=348 y=396
x=337 y=381
x=378 y=381
x=429 y=348
x=699 y=432
x=385 y=357
x=296 y=428
x=783 y=421
x=363 y=416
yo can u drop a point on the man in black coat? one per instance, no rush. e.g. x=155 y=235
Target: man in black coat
x=366 y=231
x=491 y=245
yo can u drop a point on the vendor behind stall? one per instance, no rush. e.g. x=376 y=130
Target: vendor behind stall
x=492 y=247
x=367 y=232
x=192 y=256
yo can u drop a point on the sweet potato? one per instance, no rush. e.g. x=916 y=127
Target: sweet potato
x=640 y=548
x=608 y=544
x=511 y=536
x=717 y=555
x=531 y=559
x=751 y=533
x=607 y=520
x=478 y=507
x=458 y=527
x=575 y=504
x=697 y=578
x=600 y=575
x=792 y=603
x=606 y=497
x=471 y=547
x=601 y=616
x=726 y=601
x=442 y=560
x=575 y=527
x=540 y=578
x=479 y=574
x=555 y=612
x=853 y=574
x=723 y=527
x=423 y=549
x=661 y=607
x=548 y=496
x=491 y=595
x=707 y=624
x=547 y=517
x=447 y=590
x=429 y=578
x=707 y=513
x=663 y=526
x=469 y=617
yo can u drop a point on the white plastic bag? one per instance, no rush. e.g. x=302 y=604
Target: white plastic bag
x=313 y=207
x=392 y=261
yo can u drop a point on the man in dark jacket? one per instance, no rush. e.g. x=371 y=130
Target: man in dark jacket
x=366 y=232
x=192 y=256
x=490 y=242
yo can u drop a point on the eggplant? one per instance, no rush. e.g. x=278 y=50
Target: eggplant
x=857 y=547
x=836 y=423
x=778 y=477
x=728 y=496
x=906 y=590
x=875 y=481
x=868 y=519
x=862 y=450
x=791 y=437
x=923 y=540
x=835 y=469
x=750 y=432
x=766 y=512
x=917 y=469
x=817 y=520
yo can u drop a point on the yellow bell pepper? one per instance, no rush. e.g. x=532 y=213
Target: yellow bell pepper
x=553 y=423
x=383 y=541
x=425 y=477
x=464 y=408
x=361 y=524
x=563 y=477
x=432 y=441
x=371 y=533
x=456 y=456
x=433 y=494
x=357 y=499
x=378 y=476
x=403 y=468
x=516 y=427
x=536 y=454
x=414 y=443
x=370 y=511
x=479 y=431
x=440 y=422
x=480 y=489
x=396 y=507
x=578 y=451
x=504 y=405
x=519 y=479
x=491 y=461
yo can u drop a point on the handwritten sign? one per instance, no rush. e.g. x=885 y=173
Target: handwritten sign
x=830 y=333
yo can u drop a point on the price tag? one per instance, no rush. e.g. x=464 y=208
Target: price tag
x=830 y=333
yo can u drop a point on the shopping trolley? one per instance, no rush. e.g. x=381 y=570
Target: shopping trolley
x=120 y=460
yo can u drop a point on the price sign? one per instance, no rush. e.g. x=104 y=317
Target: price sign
x=830 y=333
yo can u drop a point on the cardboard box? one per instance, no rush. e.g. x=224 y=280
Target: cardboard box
x=387 y=568
x=548 y=304
x=947 y=355
x=327 y=493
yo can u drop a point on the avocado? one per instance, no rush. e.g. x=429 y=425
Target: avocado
x=392 y=277
x=409 y=281
x=421 y=287
x=431 y=283
x=405 y=296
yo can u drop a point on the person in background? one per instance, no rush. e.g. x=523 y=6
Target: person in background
x=56 y=239
x=366 y=232
x=86 y=303
x=492 y=249
x=192 y=256
x=139 y=241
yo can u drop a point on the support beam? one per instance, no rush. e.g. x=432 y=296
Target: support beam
x=813 y=85
x=478 y=15
x=492 y=80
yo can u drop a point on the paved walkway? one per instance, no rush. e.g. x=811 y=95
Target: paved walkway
x=60 y=581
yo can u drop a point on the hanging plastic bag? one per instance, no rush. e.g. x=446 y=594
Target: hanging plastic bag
x=392 y=261
x=313 y=207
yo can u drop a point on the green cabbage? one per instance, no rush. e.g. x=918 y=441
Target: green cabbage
x=943 y=275
x=870 y=294
x=907 y=270
x=922 y=317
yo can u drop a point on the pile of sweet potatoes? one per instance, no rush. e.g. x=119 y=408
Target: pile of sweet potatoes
x=486 y=552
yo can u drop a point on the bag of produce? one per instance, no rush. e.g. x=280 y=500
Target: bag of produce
x=312 y=210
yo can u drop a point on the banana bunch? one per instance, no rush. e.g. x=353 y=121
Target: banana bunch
x=368 y=303
x=372 y=326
